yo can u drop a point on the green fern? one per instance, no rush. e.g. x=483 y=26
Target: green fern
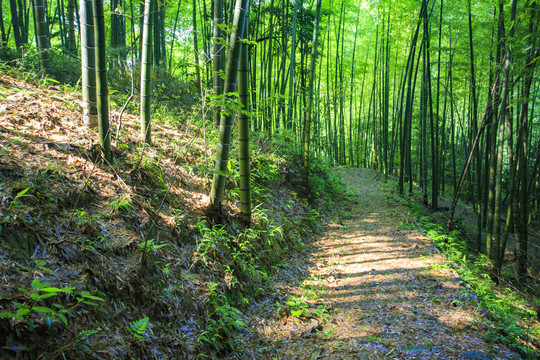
x=138 y=327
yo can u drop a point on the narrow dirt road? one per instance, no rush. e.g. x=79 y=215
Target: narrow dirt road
x=375 y=289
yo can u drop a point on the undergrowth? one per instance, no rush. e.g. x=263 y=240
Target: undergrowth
x=127 y=236
x=508 y=314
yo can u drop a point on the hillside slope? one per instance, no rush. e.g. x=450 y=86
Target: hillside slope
x=116 y=260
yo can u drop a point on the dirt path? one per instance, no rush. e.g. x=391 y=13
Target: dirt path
x=376 y=289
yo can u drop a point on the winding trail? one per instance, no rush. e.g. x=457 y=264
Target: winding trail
x=387 y=292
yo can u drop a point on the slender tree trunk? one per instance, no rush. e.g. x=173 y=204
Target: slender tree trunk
x=386 y=97
x=146 y=73
x=15 y=24
x=3 y=35
x=226 y=121
x=102 y=90
x=351 y=96
x=72 y=41
x=174 y=34
x=474 y=110
x=88 y=64
x=291 y=68
x=196 y=46
x=42 y=35
x=24 y=15
x=157 y=35
x=243 y=130
x=498 y=251
x=309 y=108
x=218 y=51
x=436 y=154
x=269 y=95
x=404 y=140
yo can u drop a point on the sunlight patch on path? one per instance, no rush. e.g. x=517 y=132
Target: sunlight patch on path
x=387 y=291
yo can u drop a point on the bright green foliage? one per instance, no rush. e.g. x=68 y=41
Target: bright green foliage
x=224 y=320
x=42 y=295
x=138 y=328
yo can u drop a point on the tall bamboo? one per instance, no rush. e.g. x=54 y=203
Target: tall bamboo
x=102 y=90
x=291 y=68
x=243 y=131
x=146 y=72
x=309 y=108
x=15 y=24
x=42 y=35
x=88 y=64
x=226 y=120
x=218 y=51
x=72 y=41
x=196 y=45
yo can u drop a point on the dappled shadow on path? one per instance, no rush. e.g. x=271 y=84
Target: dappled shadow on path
x=374 y=289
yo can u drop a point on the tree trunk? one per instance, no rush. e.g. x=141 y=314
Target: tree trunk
x=226 y=121
x=102 y=90
x=72 y=41
x=243 y=130
x=218 y=50
x=146 y=73
x=498 y=251
x=309 y=108
x=3 y=35
x=196 y=46
x=291 y=68
x=88 y=64
x=42 y=35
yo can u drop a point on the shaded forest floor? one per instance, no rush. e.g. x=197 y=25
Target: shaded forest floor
x=374 y=288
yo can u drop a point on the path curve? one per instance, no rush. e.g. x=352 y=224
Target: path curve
x=387 y=291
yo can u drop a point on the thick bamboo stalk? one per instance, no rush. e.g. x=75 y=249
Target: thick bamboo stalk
x=226 y=120
x=42 y=35
x=88 y=64
x=102 y=89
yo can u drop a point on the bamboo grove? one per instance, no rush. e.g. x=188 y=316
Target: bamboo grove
x=442 y=94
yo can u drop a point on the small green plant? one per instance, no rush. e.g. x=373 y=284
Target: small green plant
x=121 y=203
x=87 y=224
x=297 y=306
x=42 y=294
x=14 y=204
x=148 y=246
x=222 y=321
x=137 y=328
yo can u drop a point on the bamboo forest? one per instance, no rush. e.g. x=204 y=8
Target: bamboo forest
x=270 y=179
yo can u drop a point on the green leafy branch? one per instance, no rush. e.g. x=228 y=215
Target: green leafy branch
x=38 y=307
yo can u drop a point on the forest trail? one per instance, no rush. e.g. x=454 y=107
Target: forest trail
x=387 y=293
